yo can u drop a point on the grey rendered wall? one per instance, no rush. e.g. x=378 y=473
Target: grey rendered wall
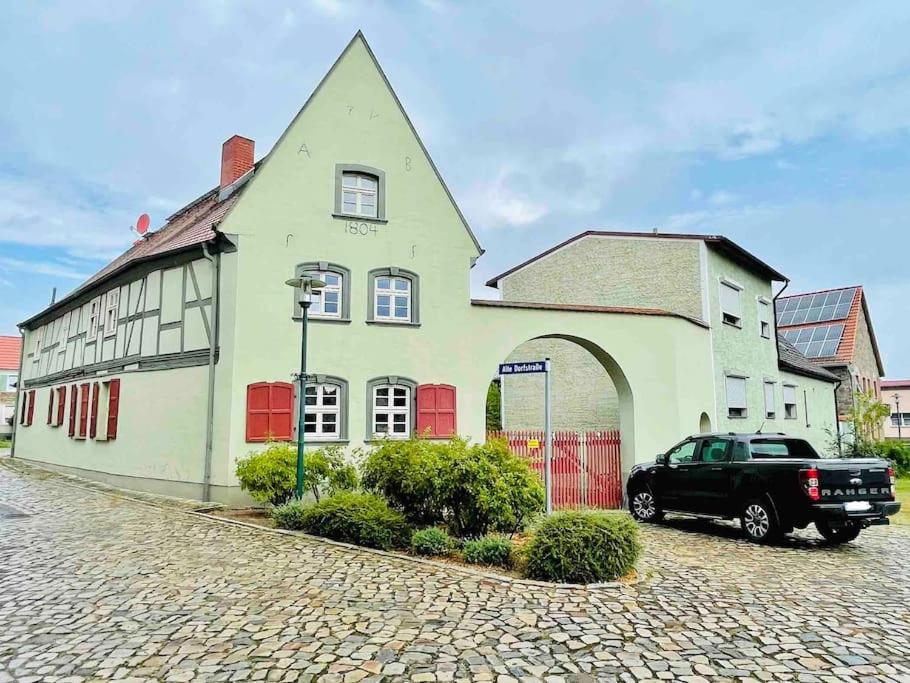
x=584 y=398
x=612 y=271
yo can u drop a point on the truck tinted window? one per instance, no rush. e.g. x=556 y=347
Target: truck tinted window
x=781 y=448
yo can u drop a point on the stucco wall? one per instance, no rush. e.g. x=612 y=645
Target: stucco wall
x=583 y=395
x=161 y=430
x=614 y=271
x=815 y=419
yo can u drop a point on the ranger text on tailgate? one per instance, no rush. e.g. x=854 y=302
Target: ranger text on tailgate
x=771 y=482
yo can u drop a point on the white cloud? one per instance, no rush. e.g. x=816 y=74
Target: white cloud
x=332 y=8
x=41 y=268
x=722 y=198
x=497 y=205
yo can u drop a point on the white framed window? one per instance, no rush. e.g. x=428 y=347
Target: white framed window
x=359 y=194
x=10 y=382
x=392 y=411
x=392 y=298
x=764 y=318
x=737 y=406
x=730 y=305
x=111 y=310
x=322 y=415
x=93 y=307
x=790 y=408
x=770 y=403
x=327 y=302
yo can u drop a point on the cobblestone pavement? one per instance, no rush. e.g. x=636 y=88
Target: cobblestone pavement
x=95 y=587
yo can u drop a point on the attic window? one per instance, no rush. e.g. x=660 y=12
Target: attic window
x=359 y=192
x=111 y=311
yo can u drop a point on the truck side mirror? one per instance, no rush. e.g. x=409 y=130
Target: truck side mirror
x=661 y=459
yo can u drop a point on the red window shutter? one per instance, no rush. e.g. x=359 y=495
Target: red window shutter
x=31 y=408
x=426 y=410
x=281 y=410
x=50 y=405
x=93 y=422
x=257 y=411
x=445 y=410
x=61 y=405
x=436 y=410
x=113 y=409
x=73 y=405
x=83 y=409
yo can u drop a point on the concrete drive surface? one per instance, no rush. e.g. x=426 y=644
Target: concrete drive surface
x=97 y=587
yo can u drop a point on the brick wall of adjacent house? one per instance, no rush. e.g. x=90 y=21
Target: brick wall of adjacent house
x=864 y=363
x=584 y=397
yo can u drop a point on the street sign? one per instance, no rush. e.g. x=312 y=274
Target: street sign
x=533 y=443
x=523 y=368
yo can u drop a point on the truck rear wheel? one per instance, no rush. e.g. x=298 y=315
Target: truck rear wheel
x=644 y=507
x=838 y=534
x=759 y=521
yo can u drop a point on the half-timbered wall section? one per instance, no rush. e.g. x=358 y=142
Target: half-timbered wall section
x=161 y=318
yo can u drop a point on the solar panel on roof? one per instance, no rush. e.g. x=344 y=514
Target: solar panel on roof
x=818 y=341
x=815 y=308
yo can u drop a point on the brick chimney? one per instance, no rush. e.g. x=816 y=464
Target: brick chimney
x=236 y=158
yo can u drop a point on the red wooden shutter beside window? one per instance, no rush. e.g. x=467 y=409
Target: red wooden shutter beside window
x=257 y=411
x=281 y=410
x=31 y=408
x=269 y=411
x=83 y=409
x=73 y=404
x=436 y=410
x=113 y=409
x=50 y=405
x=61 y=405
x=93 y=422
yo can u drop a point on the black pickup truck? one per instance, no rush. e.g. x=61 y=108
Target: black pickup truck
x=771 y=482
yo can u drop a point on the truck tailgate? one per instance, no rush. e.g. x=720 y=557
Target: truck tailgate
x=854 y=480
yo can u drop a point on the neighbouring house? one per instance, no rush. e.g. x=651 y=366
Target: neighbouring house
x=896 y=393
x=833 y=329
x=10 y=352
x=180 y=356
x=759 y=381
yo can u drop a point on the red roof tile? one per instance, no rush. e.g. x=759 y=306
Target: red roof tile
x=895 y=383
x=10 y=350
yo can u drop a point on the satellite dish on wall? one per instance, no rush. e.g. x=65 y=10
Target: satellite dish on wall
x=142 y=225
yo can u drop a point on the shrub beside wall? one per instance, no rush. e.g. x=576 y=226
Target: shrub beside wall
x=472 y=489
x=358 y=518
x=270 y=476
x=583 y=547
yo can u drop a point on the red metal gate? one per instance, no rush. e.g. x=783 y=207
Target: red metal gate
x=586 y=466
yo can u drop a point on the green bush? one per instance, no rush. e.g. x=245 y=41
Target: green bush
x=289 y=515
x=489 y=550
x=270 y=476
x=487 y=488
x=898 y=453
x=431 y=541
x=471 y=489
x=583 y=547
x=407 y=474
x=358 y=518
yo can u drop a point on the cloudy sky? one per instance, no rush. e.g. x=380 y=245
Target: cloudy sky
x=785 y=127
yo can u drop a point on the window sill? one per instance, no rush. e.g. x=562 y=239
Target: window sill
x=317 y=319
x=738 y=326
x=320 y=442
x=363 y=219
x=737 y=417
x=392 y=323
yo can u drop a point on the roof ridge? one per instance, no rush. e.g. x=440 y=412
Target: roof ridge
x=821 y=291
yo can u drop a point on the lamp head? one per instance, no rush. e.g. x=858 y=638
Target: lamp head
x=307 y=286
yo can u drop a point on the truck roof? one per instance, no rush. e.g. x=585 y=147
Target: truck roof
x=744 y=436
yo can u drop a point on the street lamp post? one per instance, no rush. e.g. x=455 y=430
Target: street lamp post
x=900 y=418
x=307 y=288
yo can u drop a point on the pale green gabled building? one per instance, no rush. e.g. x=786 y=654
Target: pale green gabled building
x=759 y=381
x=178 y=357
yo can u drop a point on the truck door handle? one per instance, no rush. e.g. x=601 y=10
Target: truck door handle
x=715 y=469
